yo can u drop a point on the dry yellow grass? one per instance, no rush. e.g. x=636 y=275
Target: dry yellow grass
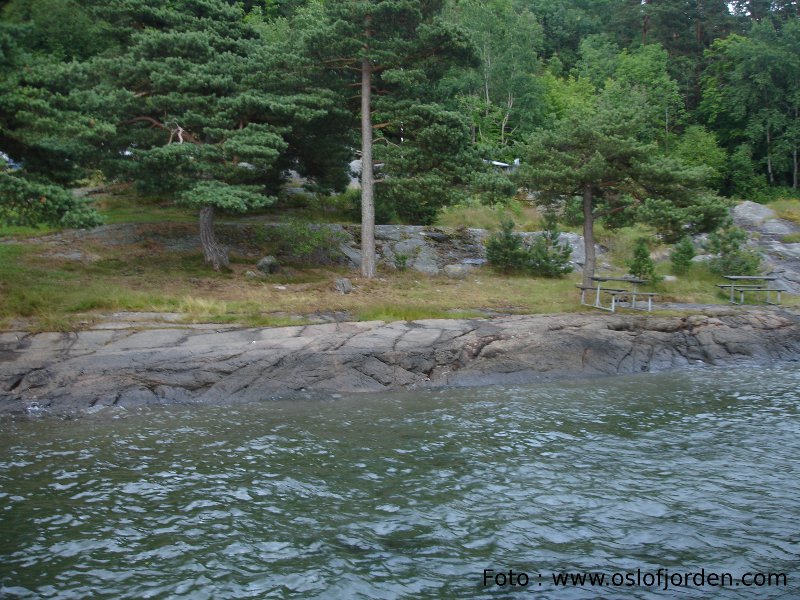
x=40 y=291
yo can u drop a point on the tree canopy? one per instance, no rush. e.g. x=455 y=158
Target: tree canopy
x=216 y=103
x=601 y=154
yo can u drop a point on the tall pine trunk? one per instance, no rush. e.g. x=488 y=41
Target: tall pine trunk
x=769 y=156
x=367 y=179
x=215 y=255
x=794 y=149
x=588 y=237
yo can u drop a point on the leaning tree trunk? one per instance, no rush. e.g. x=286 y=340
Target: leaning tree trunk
x=367 y=179
x=215 y=255
x=588 y=237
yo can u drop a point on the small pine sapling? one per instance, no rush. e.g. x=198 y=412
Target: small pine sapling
x=547 y=256
x=682 y=255
x=642 y=266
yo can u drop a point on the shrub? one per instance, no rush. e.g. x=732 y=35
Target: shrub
x=505 y=249
x=699 y=147
x=308 y=243
x=733 y=258
x=642 y=266
x=745 y=180
x=401 y=261
x=682 y=255
x=546 y=256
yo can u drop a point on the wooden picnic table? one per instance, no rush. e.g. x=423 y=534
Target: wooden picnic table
x=736 y=286
x=617 y=291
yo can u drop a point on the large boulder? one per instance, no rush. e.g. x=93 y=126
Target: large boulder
x=751 y=215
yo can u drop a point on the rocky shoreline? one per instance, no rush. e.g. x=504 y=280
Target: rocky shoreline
x=75 y=373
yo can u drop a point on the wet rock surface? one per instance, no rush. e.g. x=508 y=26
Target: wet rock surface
x=73 y=373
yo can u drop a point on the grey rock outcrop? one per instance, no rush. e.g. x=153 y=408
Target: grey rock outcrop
x=60 y=373
x=429 y=249
x=767 y=234
x=343 y=285
x=751 y=214
x=423 y=249
x=458 y=271
x=268 y=265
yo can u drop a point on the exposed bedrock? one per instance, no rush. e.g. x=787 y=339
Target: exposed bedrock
x=69 y=373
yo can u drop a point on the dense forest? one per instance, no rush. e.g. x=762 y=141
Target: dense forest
x=655 y=111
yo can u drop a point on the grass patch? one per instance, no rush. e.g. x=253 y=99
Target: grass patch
x=480 y=216
x=8 y=231
x=787 y=208
x=620 y=242
x=131 y=208
x=697 y=286
x=41 y=292
x=792 y=238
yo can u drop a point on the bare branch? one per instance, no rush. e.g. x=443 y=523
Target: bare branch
x=177 y=130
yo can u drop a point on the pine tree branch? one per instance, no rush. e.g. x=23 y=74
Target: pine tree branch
x=178 y=131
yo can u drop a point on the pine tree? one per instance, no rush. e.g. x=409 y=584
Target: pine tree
x=641 y=265
x=189 y=99
x=46 y=138
x=548 y=256
x=394 y=51
x=682 y=255
x=598 y=153
x=197 y=109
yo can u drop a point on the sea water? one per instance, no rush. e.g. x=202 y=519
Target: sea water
x=682 y=485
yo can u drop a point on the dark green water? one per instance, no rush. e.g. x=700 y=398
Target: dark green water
x=412 y=495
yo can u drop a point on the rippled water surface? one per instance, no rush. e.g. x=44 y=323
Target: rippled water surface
x=412 y=495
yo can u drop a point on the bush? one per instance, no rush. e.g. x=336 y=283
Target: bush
x=733 y=258
x=744 y=179
x=642 y=266
x=682 y=255
x=699 y=147
x=505 y=249
x=493 y=188
x=673 y=222
x=545 y=257
x=308 y=243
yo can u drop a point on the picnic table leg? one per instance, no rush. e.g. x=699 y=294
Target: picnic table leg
x=613 y=302
x=597 y=298
x=633 y=294
x=732 y=288
x=649 y=304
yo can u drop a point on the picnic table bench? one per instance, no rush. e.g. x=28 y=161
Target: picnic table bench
x=742 y=288
x=616 y=293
